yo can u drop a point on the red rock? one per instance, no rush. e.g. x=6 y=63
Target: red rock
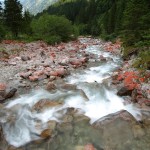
x=61 y=72
x=2 y=87
x=75 y=62
x=33 y=78
x=25 y=75
x=61 y=47
x=89 y=147
x=84 y=59
x=42 y=77
x=53 y=73
x=48 y=69
x=53 y=55
x=38 y=73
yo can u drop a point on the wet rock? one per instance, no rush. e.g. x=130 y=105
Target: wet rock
x=68 y=87
x=82 y=93
x=138 y=131
x=14 y=148
x=46 y=133
x=119 y=126
x=50 y=86
x=81 y=118
x=67 y=118
x=65 y=127
x=102 y=58
x=10 y=93
x=121 y=115
x=25 y=58
x=51 y=124
x=124 y=92
x=44 y=104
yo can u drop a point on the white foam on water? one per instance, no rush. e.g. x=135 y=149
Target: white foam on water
x=93 y=74
x=20 y=131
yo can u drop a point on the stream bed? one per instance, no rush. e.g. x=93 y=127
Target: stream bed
x=83 y=113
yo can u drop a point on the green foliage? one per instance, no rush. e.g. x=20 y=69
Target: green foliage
x=143 y=60
x=52 y=28
x=136 y=21
x=110 y=37
x=1 y=12
x=55 y=39
x=75 y=32
x=82 y=28
x=13 y=16
x=27 y=18
x=2 y=32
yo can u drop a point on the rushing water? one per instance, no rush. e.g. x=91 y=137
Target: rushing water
x=99 y=100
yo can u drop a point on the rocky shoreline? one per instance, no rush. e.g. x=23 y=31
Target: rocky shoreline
x=26 y=66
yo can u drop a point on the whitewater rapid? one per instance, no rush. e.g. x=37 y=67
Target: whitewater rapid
x=100 y=100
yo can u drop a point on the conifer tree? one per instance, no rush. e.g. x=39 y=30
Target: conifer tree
x=27 y=18
x=13 y=16
x=1 y=12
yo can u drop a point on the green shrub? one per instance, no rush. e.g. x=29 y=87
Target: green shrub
x=82 y=29
x=52 y=28
x=75 y=32
x=52 y=39
x=110 y=37
x=143 y=60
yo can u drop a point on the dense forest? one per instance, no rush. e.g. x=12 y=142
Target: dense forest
x=128 y=20
x=110 y=18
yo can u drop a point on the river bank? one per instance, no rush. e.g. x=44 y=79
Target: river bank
x=83 y=79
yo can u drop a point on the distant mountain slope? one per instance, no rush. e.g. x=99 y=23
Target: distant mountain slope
x=36 y=6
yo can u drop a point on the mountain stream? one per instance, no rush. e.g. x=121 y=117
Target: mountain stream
x=80 y=107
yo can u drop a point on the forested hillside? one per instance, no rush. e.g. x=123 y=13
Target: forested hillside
x=107 y=17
